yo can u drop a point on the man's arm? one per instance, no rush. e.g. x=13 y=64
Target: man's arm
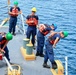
x=27 y=20
x=10 y=11
x=52 y=33
x=5 y=45
x=19 y=11
x=55 y=42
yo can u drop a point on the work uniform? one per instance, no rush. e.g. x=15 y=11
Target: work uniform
x=13 y=19
x=31 y=30
x=2 y=43
x=41 y=39
x=49 y=54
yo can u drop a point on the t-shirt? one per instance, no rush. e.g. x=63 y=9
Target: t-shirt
x=54 y=37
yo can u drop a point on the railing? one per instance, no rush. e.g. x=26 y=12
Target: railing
x=66 y=65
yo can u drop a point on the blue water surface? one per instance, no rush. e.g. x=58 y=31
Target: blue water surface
x=60 y=12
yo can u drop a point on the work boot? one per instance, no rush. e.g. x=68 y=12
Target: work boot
x=45 y=65
x=41 y=55
x=54 y=65
x=14 y=34
x=37 y=53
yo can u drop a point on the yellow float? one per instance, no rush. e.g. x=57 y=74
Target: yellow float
x=59 y=70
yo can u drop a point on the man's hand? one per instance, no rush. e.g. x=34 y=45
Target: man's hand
x=54 y=46
x=20 y=12
x=13 y=13
x=31 y=21
x=2 y=51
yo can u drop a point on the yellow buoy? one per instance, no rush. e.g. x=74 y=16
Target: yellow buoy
x=59 y=70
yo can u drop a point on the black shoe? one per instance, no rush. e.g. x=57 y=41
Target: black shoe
x=54 y=65
x=14 y=34
x=46 y=66
x=37 y=53
x=41 y=55
x=10 y=64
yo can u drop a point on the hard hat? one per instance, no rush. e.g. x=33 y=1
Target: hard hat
x=9 y=36
x=65 y=33
x=34 y=9
x=55 y=26
x=15 y=2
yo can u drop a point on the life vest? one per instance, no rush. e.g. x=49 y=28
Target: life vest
x=45 y=33
x=52 y=41
x=3 y=41
x=33 y=19
x=14 y=10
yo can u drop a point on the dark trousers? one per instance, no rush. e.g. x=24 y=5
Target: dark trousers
x=12 y=24
x=49 y=54
x=40 y=43
x=31 y=31
x=6 y=53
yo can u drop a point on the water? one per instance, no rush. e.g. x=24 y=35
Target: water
x=62 y=13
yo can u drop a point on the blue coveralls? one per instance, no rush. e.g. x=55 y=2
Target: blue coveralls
x=5 y=49
x=13 y=21
x=41 y=40
x=49 y=54
x=31 y=30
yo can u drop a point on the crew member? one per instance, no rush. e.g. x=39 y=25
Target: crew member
x=14 y=12
x=44 y=29
x=50 y=44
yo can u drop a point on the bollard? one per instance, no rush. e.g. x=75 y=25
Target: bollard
x=29 y=49
x=25 y=41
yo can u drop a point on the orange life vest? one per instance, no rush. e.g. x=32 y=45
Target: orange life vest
x=42 y=30
x=45 y=33
x=33 y=19
x=3 y=41
x=52 y=41
x=14 y=10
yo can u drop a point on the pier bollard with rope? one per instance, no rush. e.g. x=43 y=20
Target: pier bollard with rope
x=27 y=50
